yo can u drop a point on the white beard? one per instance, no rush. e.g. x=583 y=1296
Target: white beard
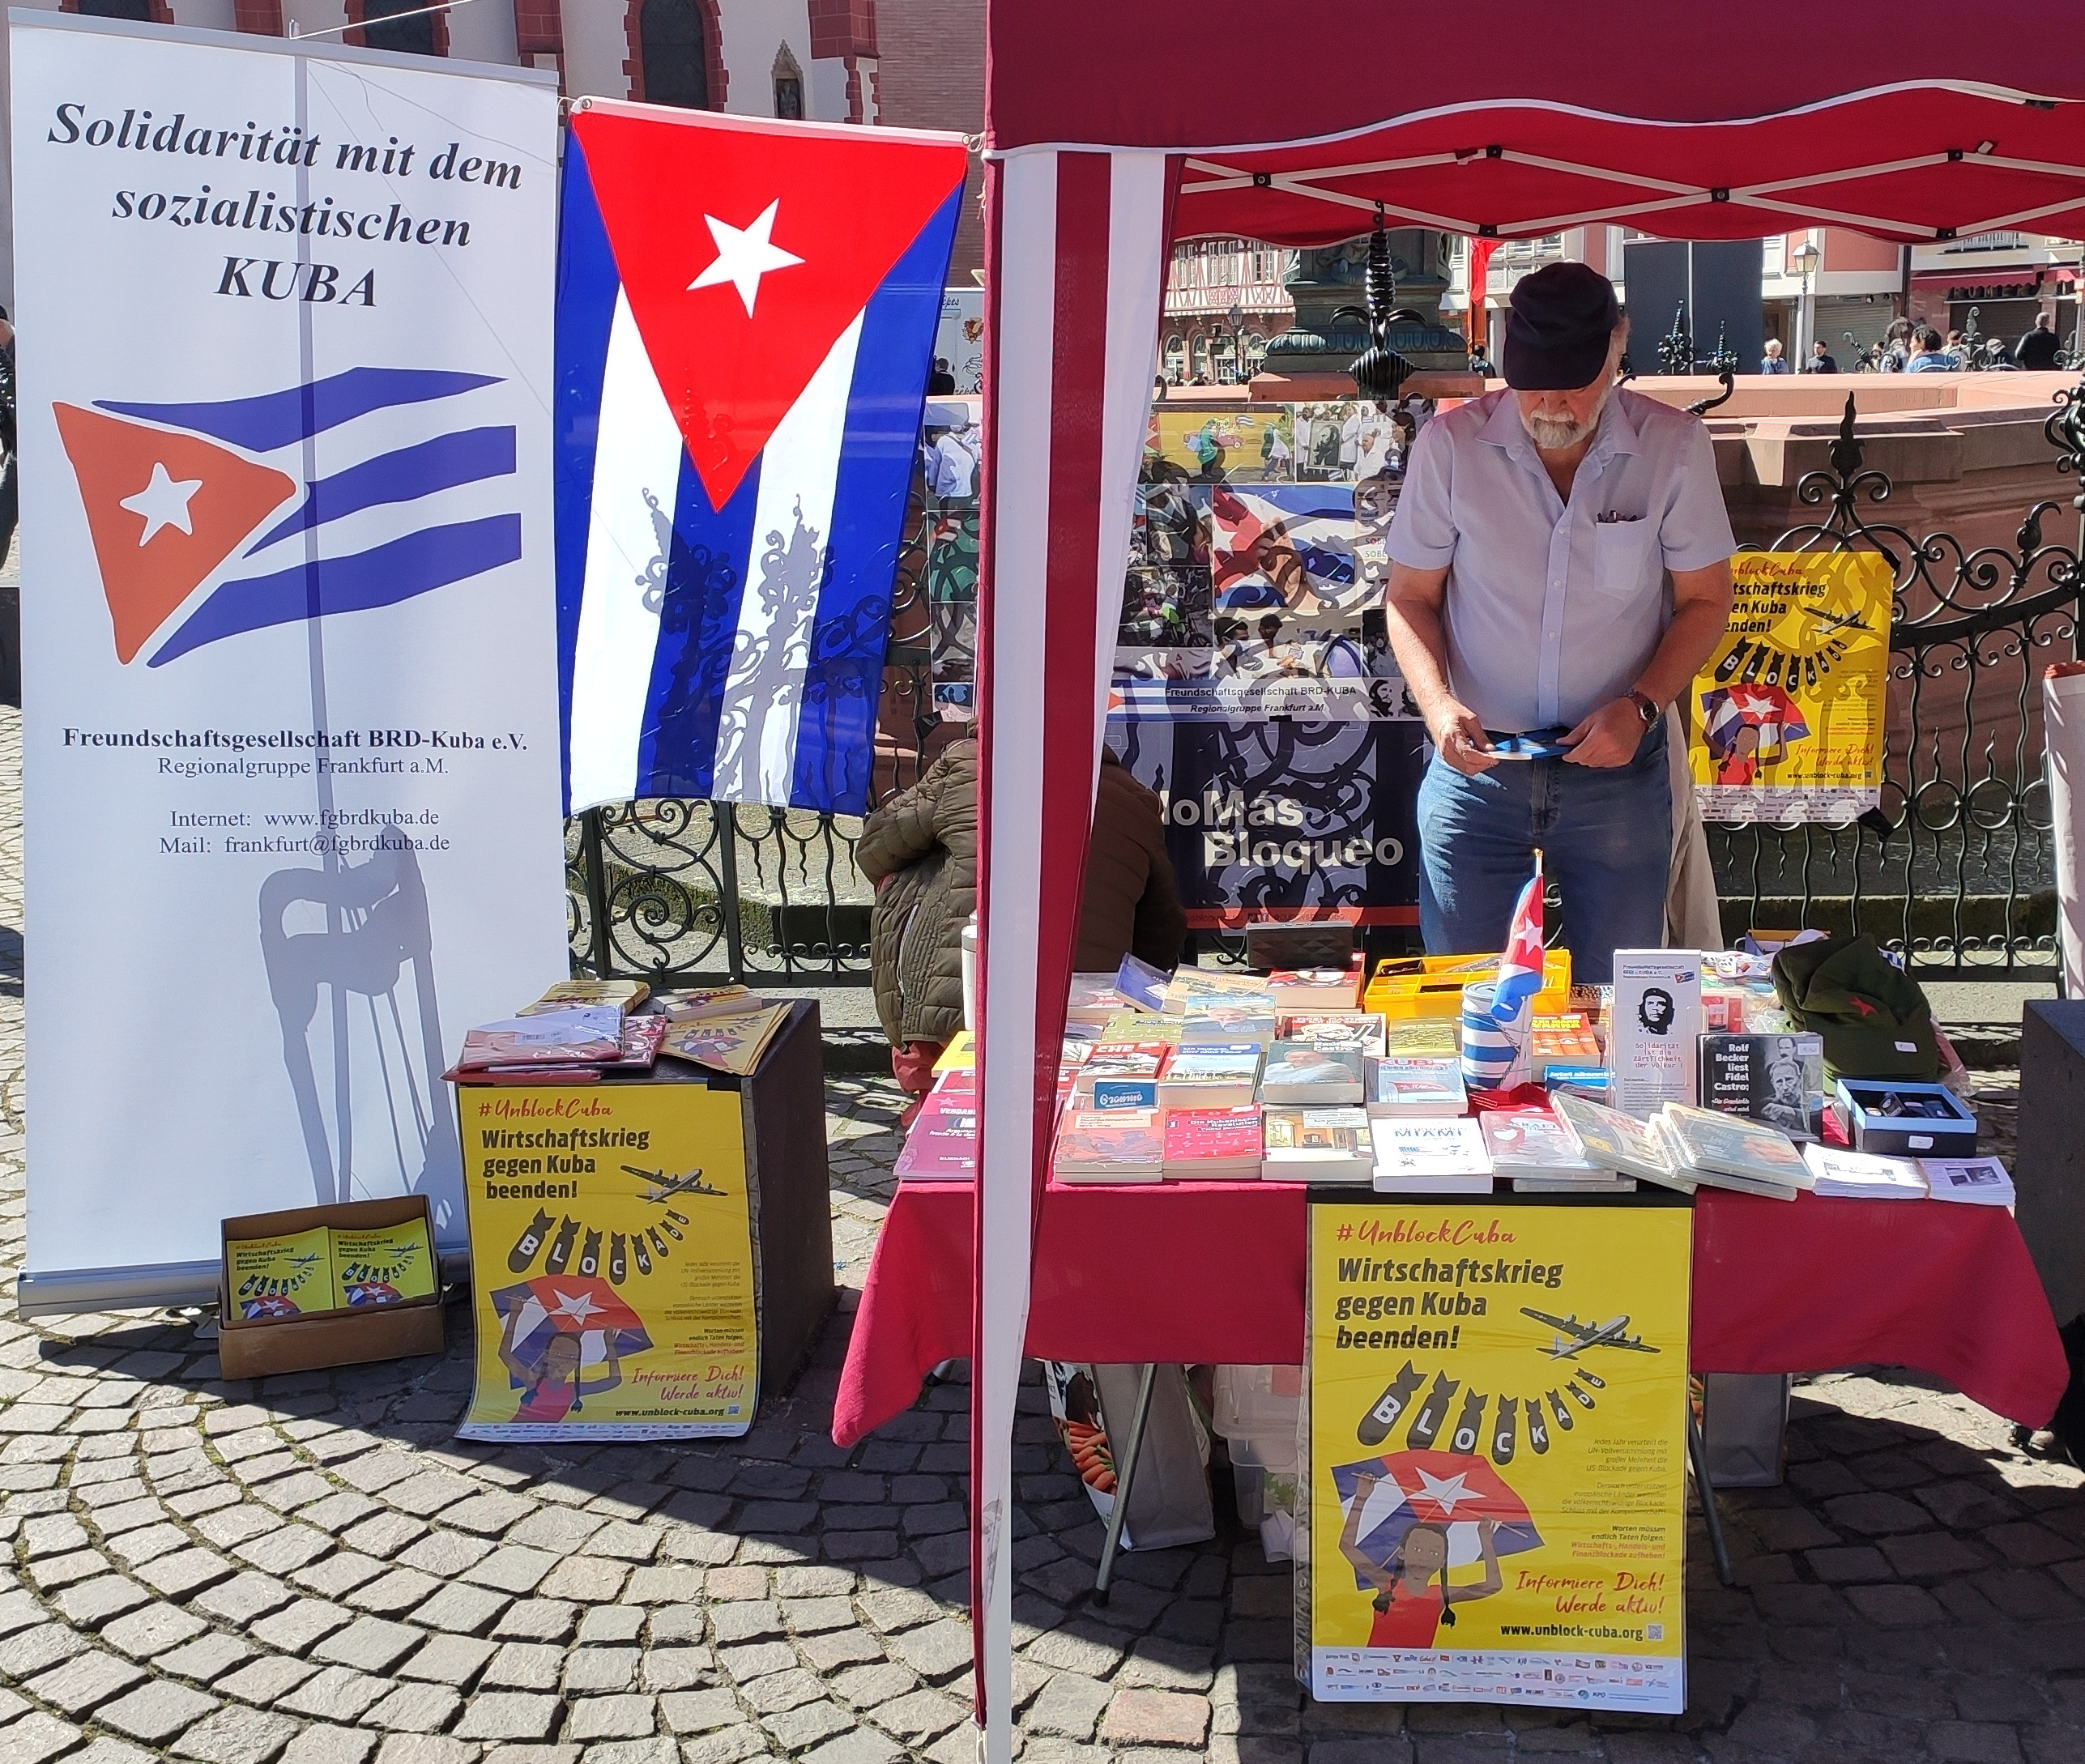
x=1554 y=434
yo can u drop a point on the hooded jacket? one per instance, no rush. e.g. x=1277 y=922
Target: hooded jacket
x=921 y=850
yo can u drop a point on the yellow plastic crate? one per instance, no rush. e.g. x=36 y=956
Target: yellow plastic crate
x=1437 y=989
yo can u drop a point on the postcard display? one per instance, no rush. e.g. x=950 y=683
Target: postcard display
x=1496 y=1400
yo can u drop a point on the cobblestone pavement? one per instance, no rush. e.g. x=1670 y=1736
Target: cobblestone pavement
x=314 y=1571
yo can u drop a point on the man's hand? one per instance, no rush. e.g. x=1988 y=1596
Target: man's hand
x=1609 y=737
x=1459 y=736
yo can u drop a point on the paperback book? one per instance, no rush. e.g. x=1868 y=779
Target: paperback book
x=1652 y=1027
x=1302 y=989
x=1527 y=1142
x=1299 y=1072
x=1776 y=1079
x=624 y=996
x=1428 y=1038
x=1317 y=1145
x=1115 y=1146
x=1221 y=1076
x=1617 y=1141
x=692 y=1007
x=1211 y=1142
x=1730 y=1152
x=942 y=1146
x=1130 y=1026
x=1216 y=1020
x=1113 y=1060
x=1359 y=1029
x=1143 y=985
x=1399 y=1085
x=1095 y=999
x=1207 y=982
x=1431 y=1157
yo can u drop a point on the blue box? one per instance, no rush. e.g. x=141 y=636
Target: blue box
x=1907 y=1120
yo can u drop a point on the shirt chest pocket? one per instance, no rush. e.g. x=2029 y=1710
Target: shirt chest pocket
x=1626 y=562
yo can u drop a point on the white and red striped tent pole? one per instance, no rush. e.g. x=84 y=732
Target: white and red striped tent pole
x=1075 y=268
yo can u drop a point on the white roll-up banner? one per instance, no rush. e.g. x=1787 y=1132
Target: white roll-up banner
x=290 y=739
x=2063 y=726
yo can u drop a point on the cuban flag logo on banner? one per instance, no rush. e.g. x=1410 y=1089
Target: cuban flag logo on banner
x=745 y=322
x=205 y=525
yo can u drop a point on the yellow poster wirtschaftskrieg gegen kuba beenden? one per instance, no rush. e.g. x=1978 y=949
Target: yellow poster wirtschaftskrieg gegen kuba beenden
x=1496 y=1501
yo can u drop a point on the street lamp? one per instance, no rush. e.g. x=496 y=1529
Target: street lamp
x=1236 y=318
x=1806 y=256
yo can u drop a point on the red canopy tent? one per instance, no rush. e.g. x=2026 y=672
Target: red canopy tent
x=1111 y=129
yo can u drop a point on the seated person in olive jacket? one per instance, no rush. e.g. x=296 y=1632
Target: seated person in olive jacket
x=921 y=850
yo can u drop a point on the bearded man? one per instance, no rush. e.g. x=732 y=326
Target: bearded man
x=1560 y=568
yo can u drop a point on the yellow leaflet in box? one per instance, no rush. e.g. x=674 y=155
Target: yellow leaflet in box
x=1437 y=989
x=383 y=1267
x=285 y=1276
x=959 y=1055
x=1496 y=1482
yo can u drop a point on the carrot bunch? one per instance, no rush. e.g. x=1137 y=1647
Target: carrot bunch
x=1089 y=1448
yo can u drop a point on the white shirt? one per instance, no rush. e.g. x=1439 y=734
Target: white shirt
x=1552 y=609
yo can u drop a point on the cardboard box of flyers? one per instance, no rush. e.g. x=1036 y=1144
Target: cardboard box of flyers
x=263 y=1347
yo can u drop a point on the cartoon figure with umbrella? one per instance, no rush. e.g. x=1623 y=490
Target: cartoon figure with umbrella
x=1413 y=1516
x=555 y=1330
x=1749 y=726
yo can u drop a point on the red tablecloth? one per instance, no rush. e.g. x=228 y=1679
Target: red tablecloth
x=1183 y=1272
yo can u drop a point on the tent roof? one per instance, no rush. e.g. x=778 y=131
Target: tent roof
x=1562 y=120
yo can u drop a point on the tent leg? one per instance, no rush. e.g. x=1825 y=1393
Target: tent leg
x=1125 y=1474
x=1697 y=1450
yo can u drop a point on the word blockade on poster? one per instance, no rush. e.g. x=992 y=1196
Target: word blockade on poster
x=1786 y=720
x=290 y=645
x=612 y=1282
x=1498 y=1403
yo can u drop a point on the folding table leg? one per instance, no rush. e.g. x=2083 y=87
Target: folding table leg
x=1697 y=1450
x=1125 y=1474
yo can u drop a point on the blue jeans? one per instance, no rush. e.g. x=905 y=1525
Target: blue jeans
x=1605 y=834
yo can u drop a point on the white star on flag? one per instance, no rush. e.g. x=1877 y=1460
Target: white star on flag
x=164 y=502
x=743 y=255
x=579 y=1307
x=1444 y=1494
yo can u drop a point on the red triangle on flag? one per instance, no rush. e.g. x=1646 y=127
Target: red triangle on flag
x=165 y=510
x=745 y=252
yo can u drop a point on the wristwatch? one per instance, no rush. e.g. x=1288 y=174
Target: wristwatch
x=1647 y=706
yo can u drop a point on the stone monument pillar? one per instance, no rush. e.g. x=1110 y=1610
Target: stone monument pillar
x=1330 y=286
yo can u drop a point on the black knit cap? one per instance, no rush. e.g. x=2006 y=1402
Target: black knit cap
x=1558 y=331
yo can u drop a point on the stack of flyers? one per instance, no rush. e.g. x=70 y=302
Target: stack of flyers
x=1982 y=1181
x=1863 y=1175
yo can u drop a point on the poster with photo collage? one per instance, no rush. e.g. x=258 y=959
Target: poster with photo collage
x=951 y=446
x=1254 y=587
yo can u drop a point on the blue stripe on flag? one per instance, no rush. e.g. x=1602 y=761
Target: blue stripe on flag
x=844 y=679
x=382 y=577
x=712 y=554
x=464 y=457
x=277 y=419
x=587 y=285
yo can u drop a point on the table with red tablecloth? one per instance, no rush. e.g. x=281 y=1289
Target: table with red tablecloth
x=1186 y=1273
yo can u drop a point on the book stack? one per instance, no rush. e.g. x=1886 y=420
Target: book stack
x=1094 y=1000
x=1401 y=1086
x=691 y=1007
x=1424 y=1038
x=1617 y=1141
x=1431 y=1157
x=1538 y=1152
x=942 y=1143
x=1359 y=1029
x=1143 y=985
x=1112 y=1063
x=1317 y=1145
x=1301 y=1074
x=623 y=995
x=1309 y=989
x=1125 y=1145
x=1567 y=1040
x=1222 y=1075
x=1863 y=1175
x=1202 y=1144
x=1217 y=1019
x=1726 y=1152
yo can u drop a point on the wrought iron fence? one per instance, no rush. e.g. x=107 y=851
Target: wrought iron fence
x=1955 y=867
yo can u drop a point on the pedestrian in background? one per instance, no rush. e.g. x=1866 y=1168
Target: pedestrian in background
x=1896 y=347
x=1820 y=360
x=1928 y=356
x=2036 y=351
x=1774 y=362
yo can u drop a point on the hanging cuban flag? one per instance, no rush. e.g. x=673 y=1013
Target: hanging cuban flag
x=746 y=313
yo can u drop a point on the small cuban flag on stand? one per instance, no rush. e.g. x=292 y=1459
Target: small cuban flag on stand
x=1496 y=1014
x=746 y=313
